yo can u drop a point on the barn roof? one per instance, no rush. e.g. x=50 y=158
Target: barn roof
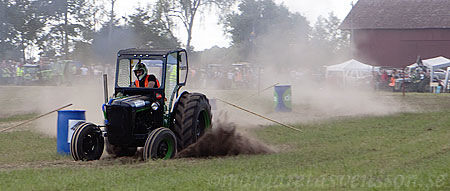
x=399 y=14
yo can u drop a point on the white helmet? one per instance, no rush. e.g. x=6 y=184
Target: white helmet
x=140 y=67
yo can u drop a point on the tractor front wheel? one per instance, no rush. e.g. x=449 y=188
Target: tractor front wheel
x=160 y=144
x=87 y=142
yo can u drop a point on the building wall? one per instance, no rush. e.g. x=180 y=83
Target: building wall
x=399 y=48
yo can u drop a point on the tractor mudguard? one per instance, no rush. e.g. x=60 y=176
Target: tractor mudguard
x=172 y=113
x=176 y=102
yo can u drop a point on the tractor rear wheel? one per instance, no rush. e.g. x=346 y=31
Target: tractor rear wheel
x=160 y=144
x=118 y=151
x=87 y=142
x=192 y=118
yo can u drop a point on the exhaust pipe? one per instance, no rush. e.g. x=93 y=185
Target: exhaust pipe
x=105 y=87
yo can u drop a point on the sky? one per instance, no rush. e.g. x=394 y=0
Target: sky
x=208 y=33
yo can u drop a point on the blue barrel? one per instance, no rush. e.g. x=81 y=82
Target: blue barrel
x=438 y=89
x=67 y=119
x=282 y=98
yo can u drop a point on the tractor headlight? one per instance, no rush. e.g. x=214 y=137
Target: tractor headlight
x=155 y=106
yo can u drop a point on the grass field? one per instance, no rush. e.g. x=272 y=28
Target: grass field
x=404 y=151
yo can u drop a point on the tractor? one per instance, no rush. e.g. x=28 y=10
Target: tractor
x=158 y=118
x=31 y=74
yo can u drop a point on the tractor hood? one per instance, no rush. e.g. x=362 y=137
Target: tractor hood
x=137 y=101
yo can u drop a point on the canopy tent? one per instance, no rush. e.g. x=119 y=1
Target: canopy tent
x=349 y=72
x=349 y=66
x=351 y=69
x=434 y=63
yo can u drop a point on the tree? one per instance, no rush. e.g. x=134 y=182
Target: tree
x=7 y=49
x=90 y=15
x=187 y=10
x=262 y=29
x=163 y=18
x=326 y=31
x=328 y=39
x=148 y=26
x=111 y=18
x=150 y=29
x=70 y=22
x=21 y=22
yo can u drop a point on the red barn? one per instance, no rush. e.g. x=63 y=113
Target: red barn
x=394 y=32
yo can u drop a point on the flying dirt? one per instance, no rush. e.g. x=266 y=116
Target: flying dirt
x=223 y=140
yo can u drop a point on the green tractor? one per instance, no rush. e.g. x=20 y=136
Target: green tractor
x=156 y=117
x=63 y=72
x=32 y=74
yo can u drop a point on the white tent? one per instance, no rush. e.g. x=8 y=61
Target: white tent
x=434 y=63
x=349 y=66
x=350 y=71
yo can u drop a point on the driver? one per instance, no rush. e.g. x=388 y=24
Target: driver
x=144 y=80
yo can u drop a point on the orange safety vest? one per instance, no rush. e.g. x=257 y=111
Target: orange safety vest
x=146 y=82
x=392 y=82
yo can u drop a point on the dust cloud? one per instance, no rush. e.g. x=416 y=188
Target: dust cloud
x=224 y=140
x=314 y=97
x=86 y=95
x=312 y=100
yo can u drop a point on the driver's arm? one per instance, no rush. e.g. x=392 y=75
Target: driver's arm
x=152 y=81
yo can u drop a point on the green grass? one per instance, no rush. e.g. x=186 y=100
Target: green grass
x=407 y=151
x=424 y=101
x=16 y=118
x=26 y=146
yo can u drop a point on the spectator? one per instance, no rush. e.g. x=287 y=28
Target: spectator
x=84 y=70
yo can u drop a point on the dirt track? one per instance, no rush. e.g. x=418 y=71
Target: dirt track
x=307 y=105
x=41 y=99
x=105 y=162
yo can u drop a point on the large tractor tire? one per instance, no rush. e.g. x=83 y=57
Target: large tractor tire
x=87 y=142
x=160 y=144
x=118 y=151
x=192 y=118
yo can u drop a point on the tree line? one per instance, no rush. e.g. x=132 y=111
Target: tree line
x=89 y=30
